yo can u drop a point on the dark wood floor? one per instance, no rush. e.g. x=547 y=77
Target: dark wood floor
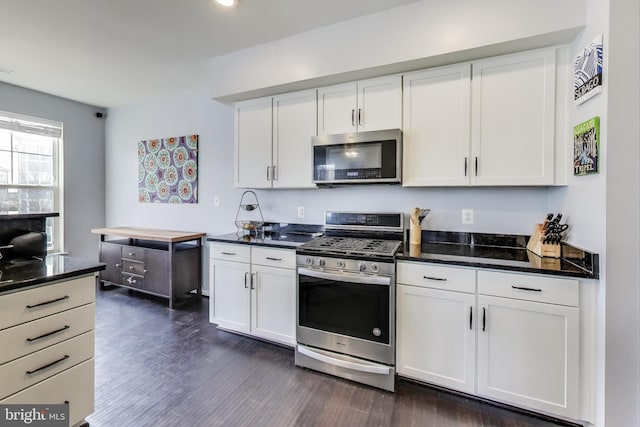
x=159 y=367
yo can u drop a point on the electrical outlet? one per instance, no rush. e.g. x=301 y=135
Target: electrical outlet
x=467 y=216
x=300 y=211
x=216 y=201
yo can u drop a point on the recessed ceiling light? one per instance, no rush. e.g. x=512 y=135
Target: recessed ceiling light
x=227 y=3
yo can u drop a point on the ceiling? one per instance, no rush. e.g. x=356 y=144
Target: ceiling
x=115 y=52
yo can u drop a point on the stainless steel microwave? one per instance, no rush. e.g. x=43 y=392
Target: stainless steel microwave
x=358 y=158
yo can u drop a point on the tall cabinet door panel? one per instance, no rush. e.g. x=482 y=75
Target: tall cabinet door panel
x=111 y=254
x=437 y=337
x=337 y=109
x=229 y=295
x=294 y=123
x=436 y=123
x=273 y=304
x=253 y=143
x=528 y=354
x=513 y=116
x=379 y=104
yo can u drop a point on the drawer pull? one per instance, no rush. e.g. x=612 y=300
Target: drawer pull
x=48 y=365
x=440 y=279
x=228 y=253
x=522 y=288
x=273 y=259
x=48 y=302
x=48 y=334
x=132 y=254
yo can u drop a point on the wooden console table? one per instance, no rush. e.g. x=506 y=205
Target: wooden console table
x=164 y=263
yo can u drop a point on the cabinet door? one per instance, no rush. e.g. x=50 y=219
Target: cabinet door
x=253 y=143
x=111 y=254
x=157 y=274
x=436 y=114
x=337 y=109
x=437 y=337
x=513 y=115
x=379 y=104
x=273 y=304
x=294 y=123
x=528 y=354
x=229 y=295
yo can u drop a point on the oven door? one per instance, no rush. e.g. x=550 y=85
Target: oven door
x=348 y=313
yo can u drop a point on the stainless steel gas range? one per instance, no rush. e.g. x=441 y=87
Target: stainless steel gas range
x=346 y=297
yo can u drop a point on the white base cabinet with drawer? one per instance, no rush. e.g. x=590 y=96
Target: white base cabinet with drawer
x=515 y=339
x=47 y=346
x=436 y=324
x=253 y=291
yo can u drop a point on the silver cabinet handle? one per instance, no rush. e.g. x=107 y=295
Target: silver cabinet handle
x=346 y=277
x=118 y=265
x=359 y=116
x=253 y=278
x=268 y=173
x=275 y=176
x=440 y=279
x=353 y=117
x=246 y=273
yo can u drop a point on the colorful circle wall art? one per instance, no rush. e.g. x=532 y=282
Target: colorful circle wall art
x=168 y=170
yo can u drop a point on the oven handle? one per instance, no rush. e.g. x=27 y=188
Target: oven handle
x=381 y=370
x=346 y=277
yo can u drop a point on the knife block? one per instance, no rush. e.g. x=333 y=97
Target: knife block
x=536 y=246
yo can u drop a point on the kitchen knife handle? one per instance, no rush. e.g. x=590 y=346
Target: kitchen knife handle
x=353 y=117
x=470 y=317
x=465 y=166
x=359 y=116
x=484 y=318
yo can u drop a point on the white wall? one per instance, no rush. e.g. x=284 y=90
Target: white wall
x=84 y=168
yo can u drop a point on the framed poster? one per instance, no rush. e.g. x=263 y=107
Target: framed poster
x=586 y=146
x=587 y=76
x=168 y=170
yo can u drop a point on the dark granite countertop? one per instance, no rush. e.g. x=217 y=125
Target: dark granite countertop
x=503 y=252
x=274 y=240
x=18 y=274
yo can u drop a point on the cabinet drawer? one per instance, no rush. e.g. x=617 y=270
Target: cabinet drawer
x=29 y=370
x=27 y=305
x=230 y=252
x=437 y=277
x=75 y=385
x=529 y=287
x=33 y=336
x=133 y=252
x=283 y=258
x=132 y=280
x=133 y=267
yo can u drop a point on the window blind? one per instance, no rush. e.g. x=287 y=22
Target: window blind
x=20 y=123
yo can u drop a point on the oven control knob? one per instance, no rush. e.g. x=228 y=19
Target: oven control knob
x=340 y=264
x=362 y=266
x=375 y=267
x=321 y=262
x=309 y=261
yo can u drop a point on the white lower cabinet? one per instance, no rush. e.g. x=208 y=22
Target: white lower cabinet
x=526 y=328
x=527 y=350
x=253 y=291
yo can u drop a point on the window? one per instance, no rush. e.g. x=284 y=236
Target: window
x=30 y=169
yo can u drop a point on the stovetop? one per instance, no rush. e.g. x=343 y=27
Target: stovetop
x=352 y=246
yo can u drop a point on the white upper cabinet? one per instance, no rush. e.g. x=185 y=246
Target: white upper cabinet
x=273 y=141
x=365 y=105
x=436 y=125
x=294 y=123
x=490 y=122
x=513 y=119
x=253 y=121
